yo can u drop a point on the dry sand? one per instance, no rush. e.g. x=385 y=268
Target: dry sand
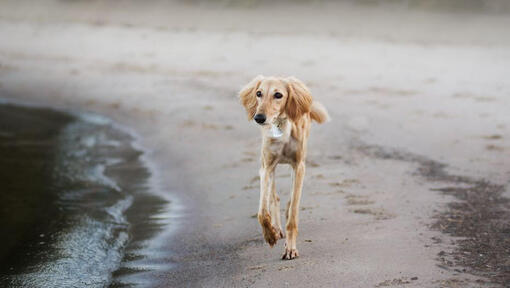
x=407 y=90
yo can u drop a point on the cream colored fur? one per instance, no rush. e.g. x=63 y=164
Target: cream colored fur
x=291 y=114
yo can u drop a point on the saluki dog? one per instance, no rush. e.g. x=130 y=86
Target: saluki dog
x=284 y=109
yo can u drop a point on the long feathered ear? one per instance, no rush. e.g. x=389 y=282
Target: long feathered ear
x=299 y=101
x=248 y=98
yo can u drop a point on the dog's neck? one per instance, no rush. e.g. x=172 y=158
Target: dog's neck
x=278 y=127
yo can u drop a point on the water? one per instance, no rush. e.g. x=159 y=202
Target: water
x=76 y=209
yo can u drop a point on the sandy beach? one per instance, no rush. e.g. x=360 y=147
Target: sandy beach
x=406 y=186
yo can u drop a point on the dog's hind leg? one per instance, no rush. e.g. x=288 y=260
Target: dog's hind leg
x=291 y=227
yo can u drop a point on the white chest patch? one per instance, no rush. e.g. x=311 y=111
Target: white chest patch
x=275 y=131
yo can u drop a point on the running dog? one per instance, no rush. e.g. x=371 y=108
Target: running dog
x=284 y=109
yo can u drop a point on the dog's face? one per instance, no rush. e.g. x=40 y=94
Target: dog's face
x=271 y=96
x=266 y=98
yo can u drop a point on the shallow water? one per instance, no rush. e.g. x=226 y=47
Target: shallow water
x=76 y=209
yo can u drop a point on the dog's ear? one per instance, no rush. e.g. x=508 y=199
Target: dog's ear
x=299 y=101
x=248 y=97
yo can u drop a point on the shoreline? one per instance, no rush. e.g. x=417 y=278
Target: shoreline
x=140 y=219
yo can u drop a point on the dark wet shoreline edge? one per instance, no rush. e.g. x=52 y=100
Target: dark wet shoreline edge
x=152 y=182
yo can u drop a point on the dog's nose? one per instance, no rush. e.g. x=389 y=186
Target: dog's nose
x=260 y=118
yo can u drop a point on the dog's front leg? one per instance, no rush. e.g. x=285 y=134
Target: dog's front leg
x=291 y=227
x=274 y=204
x=271 y=235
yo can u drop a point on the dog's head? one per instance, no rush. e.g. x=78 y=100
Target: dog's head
x=266 y=98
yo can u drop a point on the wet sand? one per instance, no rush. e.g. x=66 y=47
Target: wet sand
x=419 y=102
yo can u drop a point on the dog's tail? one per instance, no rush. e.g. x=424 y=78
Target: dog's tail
x=319 y=113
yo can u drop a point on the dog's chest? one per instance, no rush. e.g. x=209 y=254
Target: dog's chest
x=280 y=145
x=284 y=149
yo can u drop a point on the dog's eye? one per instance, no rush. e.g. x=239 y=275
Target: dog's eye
x=259 y=94
x=278 y=95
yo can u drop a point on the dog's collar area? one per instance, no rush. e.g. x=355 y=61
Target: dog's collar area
x=279 y=122
x=275 y=131
x=277 y=126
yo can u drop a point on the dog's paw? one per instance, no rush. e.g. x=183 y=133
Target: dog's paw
x=290 y=254
x=271 y=234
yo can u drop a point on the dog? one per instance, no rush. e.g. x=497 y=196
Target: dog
x=284 y=109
